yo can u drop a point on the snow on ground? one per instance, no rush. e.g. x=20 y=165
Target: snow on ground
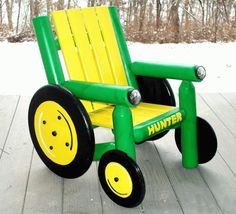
x=22 y=71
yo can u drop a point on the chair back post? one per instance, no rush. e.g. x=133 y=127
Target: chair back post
x=48 y=50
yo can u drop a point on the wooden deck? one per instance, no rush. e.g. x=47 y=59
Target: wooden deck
x=27 y=186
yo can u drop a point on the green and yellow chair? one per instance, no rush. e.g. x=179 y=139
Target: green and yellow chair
x=103 y=88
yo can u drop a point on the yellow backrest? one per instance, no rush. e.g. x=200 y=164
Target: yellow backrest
x=89 y=47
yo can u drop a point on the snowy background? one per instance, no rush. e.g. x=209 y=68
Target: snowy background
x=22 y=72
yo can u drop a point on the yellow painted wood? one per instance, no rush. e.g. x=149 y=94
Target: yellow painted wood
x=69 y=51
x=141 y=113
x=98 y=45
x=111 y=45
x=84 y=48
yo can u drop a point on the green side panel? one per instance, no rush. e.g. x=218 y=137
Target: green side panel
x=48 y=50
x=168 y=120
x=180 y=72
x=123 y=131
x=187 y=99
x=106 y=93
x=101 y=149
x=122 y=46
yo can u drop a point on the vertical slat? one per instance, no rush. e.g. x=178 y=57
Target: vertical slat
x=91 y=72
x=111 y=45
x=98 y=45
x=73 y=65
x=88 y=62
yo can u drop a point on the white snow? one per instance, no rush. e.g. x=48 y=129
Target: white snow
x=22 y=71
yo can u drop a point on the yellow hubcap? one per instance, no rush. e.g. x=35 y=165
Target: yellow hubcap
x=55 y=132
x=118 y=179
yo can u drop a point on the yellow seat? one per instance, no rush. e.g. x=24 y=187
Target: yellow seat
x=141 y=113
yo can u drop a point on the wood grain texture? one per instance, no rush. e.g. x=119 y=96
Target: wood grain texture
x=81 y=195
x=220 y=172
x=191 y=190
x=225 y=112
x=8 y=105
x=160 y=196
x=15 y=162
x=44 y=191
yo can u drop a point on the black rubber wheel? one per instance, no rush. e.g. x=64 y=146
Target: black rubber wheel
x=158 y=91
x=121 y=179
x=206 y=141
x=61 y=131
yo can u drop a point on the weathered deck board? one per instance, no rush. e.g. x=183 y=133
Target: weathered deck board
x=15 y=162
x=82 y=195
x=192 y=192
x=160 y=196
x=8 y=105
x=231 y=98
x=44 y=191
x=225 y=112
x=219 y=173
x=27 y=186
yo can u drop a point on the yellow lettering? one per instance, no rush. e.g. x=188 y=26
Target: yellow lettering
x=179 y=116
x=151 y=130
x=174 y=119
x=169 y=121
x=157 y=128
x=163 y=124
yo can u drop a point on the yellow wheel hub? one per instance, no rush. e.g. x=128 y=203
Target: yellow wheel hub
x=55 y=132
x=118 y=179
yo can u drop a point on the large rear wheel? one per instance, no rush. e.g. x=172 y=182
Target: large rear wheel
x=61 y=131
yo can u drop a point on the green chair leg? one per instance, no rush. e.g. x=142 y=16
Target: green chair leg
x=189 y=125
x=123 y=129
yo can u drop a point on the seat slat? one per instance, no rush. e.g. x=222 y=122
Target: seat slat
x=69 y=51
x=140 y=113
x=111 y=45
x=98 y=45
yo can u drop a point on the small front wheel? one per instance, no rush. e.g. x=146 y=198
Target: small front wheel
x=121 y=179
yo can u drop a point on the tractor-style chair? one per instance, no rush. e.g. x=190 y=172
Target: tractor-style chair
x=104 y=88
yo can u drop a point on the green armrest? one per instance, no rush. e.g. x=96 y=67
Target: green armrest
x=114 y=94
x=179 y=72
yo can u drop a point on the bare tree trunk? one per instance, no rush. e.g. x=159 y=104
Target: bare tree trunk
x=203 y=12
x=158 y=13
x=142 y=14
x=18 y=16
x=216 y=21
x=9 y=6
x=48 y=5
x=68 y=5
x=186 y=6
x=0 y=12
x=225 y=10
x=60 y=5
x=174 y=20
